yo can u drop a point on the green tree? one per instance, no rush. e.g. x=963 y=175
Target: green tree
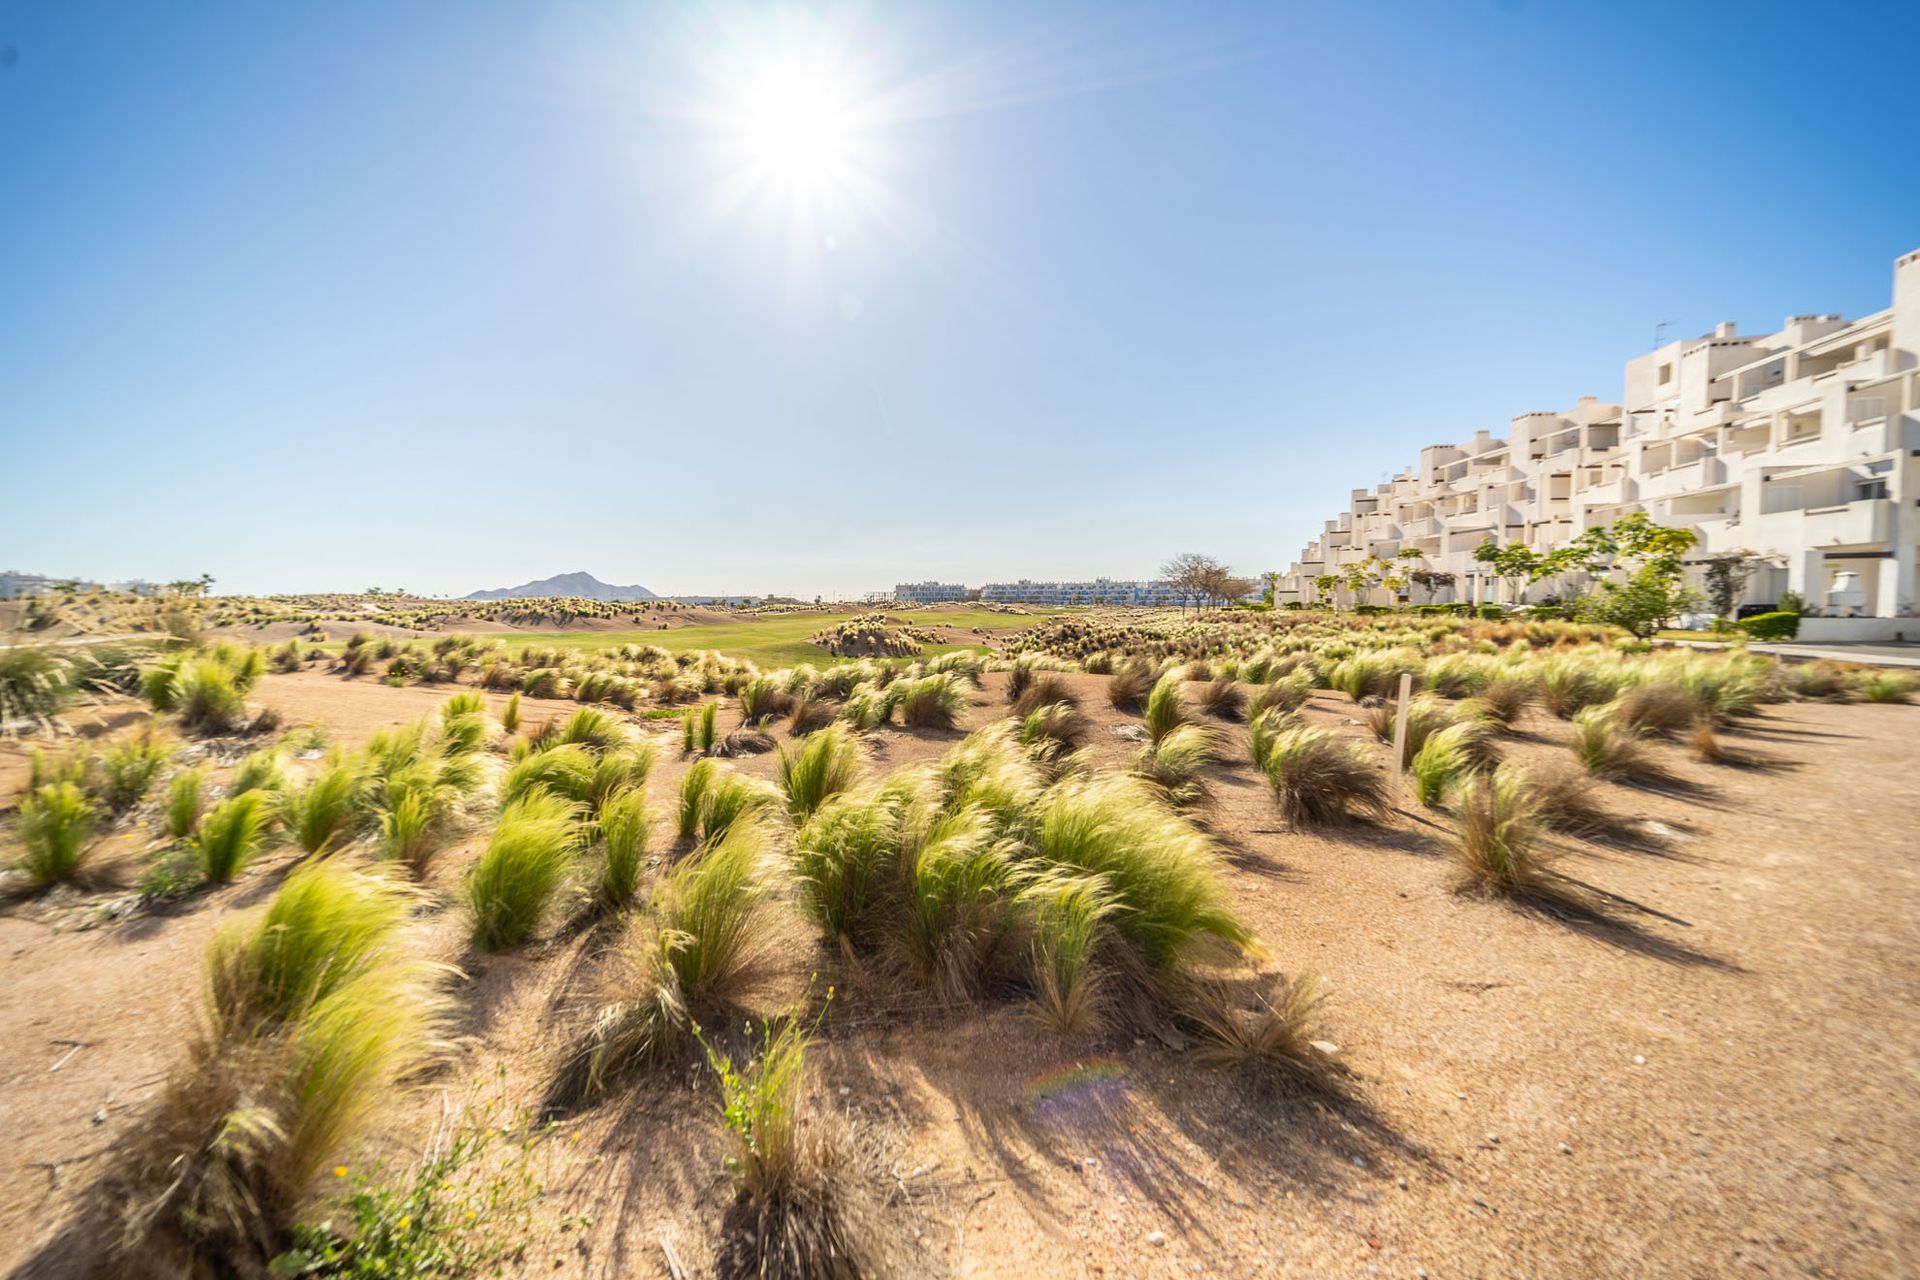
x=1649 y=556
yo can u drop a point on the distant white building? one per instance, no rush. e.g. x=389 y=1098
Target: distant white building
x=1098 y=591
x=928 y=592
x=14 y=585
x=1801 y=446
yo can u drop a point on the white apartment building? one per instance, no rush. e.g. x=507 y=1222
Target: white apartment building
x=929 y=592
x=1801 y=446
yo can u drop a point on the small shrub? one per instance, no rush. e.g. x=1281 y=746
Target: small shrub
x=1223 y=699
x=1318 y=778
x=1043 y=690
x=510 y=714
x=1270 y=1032
x=1128 y=687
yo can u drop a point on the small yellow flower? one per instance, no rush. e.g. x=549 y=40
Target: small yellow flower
x=471 y=1215
x=339 y=1171
x=406 y=1221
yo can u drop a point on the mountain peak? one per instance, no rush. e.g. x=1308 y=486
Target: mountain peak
x=578 y=583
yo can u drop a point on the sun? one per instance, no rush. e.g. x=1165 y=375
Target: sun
x=798 y=125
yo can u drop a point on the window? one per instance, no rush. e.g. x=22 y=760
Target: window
x=1869 y=489
x=1666 y=374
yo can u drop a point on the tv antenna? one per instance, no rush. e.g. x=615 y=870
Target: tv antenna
x=1658 y=330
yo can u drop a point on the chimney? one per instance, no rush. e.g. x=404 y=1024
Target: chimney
x=1724 y=329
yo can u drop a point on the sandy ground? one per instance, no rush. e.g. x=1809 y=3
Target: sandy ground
x=1716 y=1080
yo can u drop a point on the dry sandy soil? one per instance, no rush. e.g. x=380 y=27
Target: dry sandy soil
x=1715 y=1077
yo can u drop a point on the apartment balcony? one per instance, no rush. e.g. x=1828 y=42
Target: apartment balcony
x=1616 y=492
x=1884 y=435
x=1869 y=520
x=1685 y=478
x=1470 y=520
x=1424 y=528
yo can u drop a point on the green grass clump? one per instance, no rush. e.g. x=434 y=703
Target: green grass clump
x=260 y=771
x=231 y=835
x=56 y=833
x=1168 y=879
x=209 y=698
x=317 y=1018
x=567 y=771
x=1177 y=764
x=1166 y=705
x=329 y=925
x=1884 y=686
x=688 y=956
x=1570 y=683
x=128 y=771
x=625 y=824
x=930 y=702
x=827 y=763
x=1055 y=729
x=34 y=684
x=512 y=884
x=696 y=786
x=1607 y=750
x=327 y=812
x=184 y=802
x=1497 y=838
x=1070 y=917
x=731 y=798
x=709 y=716
x=1374 y=673
x=1318 y=778
x=1426 y=715
x=510 y=714
x=1445 y=758
x=592 y=728
x=1288 y=693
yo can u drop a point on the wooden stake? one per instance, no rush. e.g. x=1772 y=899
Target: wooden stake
x=1400 y=726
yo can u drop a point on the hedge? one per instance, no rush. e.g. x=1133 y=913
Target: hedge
x=1771 y=626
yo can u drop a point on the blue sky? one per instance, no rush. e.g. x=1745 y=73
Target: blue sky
x=453 y=295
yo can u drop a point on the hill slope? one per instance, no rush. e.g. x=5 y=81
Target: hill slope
x=581 y=584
